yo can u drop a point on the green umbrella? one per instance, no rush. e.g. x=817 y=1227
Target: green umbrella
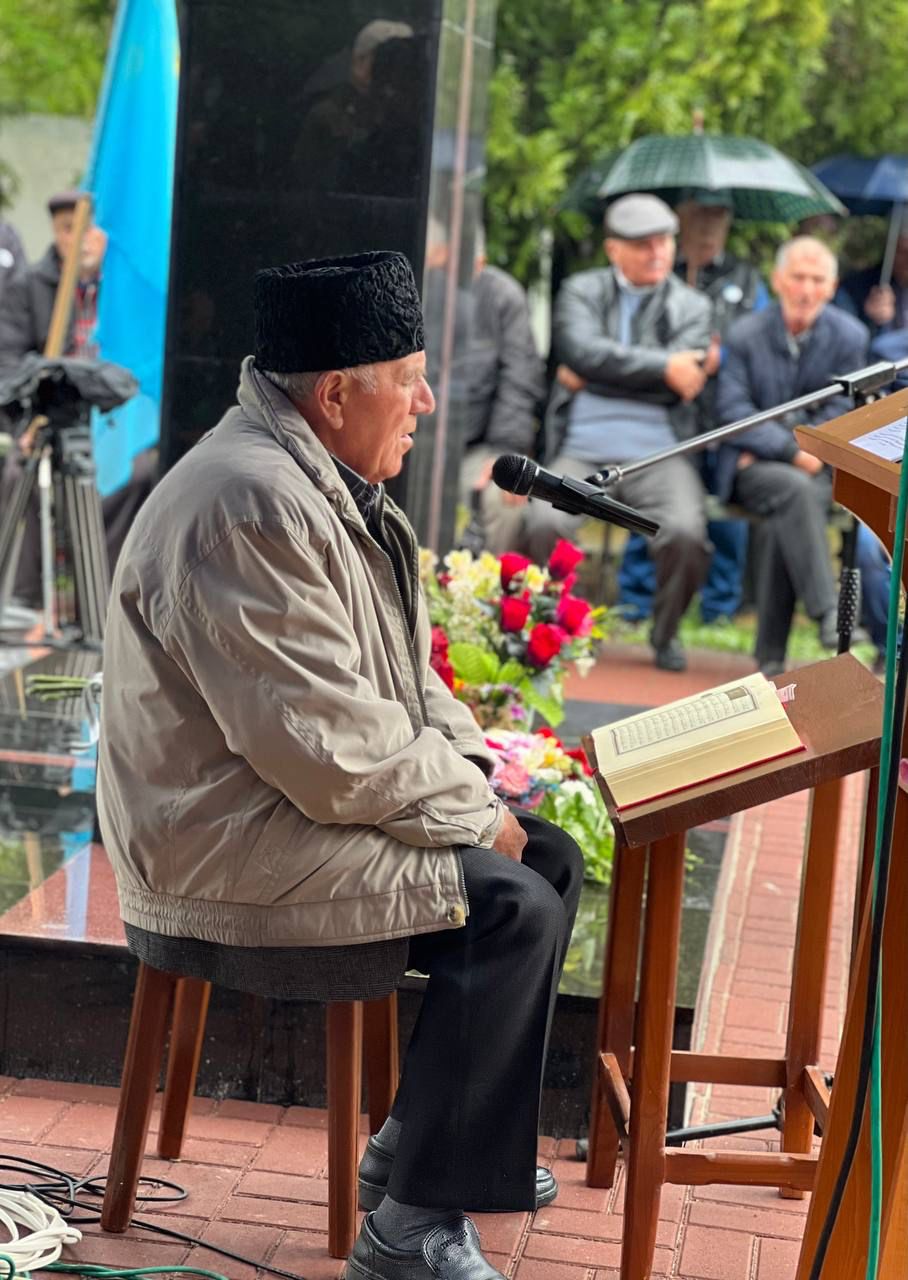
x=764 y=184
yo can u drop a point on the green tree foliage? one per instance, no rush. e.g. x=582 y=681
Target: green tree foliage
x=577 y=78
x=52 y=55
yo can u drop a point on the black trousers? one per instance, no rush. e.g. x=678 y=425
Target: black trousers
x=472 y=1080
x=792 y=553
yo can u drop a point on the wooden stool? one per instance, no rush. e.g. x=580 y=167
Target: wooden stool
x=348 y=1026
x=630 y=1098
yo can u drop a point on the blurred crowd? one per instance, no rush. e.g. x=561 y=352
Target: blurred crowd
x=674 y=337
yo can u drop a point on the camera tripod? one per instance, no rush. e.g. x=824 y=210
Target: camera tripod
x=75 y=576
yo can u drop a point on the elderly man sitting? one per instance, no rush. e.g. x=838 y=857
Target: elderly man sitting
x=289 y=795
x=635 y=351
x=797 y=345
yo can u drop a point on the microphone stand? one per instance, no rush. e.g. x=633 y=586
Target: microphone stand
x=862 y=386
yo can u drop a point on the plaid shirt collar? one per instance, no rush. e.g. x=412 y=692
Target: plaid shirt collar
x=364 y=494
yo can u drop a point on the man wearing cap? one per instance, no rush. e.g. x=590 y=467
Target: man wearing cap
x=735 y=288
x=634 y=345
x=293 y=801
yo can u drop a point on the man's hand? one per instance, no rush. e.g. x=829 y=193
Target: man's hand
x=511 y=838
x=745 y=460
x=880 y=305
x=685 y=374
x=807 y=462
x=569 y=379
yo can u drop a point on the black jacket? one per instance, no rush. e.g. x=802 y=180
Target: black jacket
x=672 y=318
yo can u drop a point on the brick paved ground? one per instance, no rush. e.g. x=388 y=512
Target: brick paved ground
x=256 y=1174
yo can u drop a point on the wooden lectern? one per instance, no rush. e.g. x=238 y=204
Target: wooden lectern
x=837 y=711
x=868 y=486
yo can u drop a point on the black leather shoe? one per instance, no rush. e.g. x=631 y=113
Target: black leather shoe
x=828 y=629
x=449 y=1252
x=671 y=657
x=375 y=1170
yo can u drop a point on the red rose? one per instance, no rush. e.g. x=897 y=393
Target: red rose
x=544 y=643
x=564 y=559
x=446 y=671
x=546 y=732
x=573 y=614
x=514 y=612
x=511 y=565
x=439 y=642
x=578 y=754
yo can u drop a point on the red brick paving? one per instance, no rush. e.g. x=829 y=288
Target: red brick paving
x=256 y=1175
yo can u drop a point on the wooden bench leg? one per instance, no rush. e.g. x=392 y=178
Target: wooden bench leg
x=141 y=1068
x=808 y=978
x=381 y=1057
x=344 y=1058
x=190 y=1008
x=653 y=1055
x=616 y=1004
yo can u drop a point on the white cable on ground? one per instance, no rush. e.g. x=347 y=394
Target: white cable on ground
x=45 y=1231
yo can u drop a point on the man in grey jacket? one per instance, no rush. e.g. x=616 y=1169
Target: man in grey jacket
x=292 y=799
x=635 y=348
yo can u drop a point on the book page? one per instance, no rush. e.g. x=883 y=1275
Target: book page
x=886 y=442
x=740 y=707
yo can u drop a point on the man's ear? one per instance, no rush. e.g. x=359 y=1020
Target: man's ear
x=331 y=392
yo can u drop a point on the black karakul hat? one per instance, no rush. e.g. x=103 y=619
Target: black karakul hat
x=337 y=313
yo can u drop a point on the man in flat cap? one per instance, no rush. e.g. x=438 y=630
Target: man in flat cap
x=293 y=801
x=634 y=345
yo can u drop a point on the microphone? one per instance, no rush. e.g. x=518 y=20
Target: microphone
x=516 y=474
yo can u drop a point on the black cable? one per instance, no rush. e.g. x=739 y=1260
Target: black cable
x=891 y=782
x=61 y=1190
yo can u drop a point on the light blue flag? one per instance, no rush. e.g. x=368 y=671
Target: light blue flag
x=130 y=175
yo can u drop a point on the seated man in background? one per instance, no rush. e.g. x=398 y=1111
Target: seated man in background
x=289 y=790
x=505 y=386
x=734 y=288
x=26 y=307
x=635 y=350
x=797 y=345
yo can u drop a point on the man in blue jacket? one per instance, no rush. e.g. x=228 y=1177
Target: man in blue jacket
x=794 y=347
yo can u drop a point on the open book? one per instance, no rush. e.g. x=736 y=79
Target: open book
x=693 y=740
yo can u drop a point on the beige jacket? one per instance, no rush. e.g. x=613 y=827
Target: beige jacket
x=279 y=765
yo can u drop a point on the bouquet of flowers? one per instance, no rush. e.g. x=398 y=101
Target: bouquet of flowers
x=537 y=772
x=505 y=630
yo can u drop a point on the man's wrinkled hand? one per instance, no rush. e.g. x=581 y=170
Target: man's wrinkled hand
x=511 y=838
x=685 y=374
x=570 y=380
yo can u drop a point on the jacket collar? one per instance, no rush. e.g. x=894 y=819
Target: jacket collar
x=262 y=401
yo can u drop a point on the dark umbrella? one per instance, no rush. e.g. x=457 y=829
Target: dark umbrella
x=871 y=185
x=765 y=185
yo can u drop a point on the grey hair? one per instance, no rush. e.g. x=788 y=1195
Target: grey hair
x=300 y=386
x=816 y=247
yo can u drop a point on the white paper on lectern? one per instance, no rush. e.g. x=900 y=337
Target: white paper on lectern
x=886 y=442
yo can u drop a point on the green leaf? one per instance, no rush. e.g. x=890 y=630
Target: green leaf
x=546 y=704
x=512 y=672
x=474 y=664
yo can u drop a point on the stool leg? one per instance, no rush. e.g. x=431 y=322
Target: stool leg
x=652 y=1059
x=808 y=978
x=381 y=1057
x=187 y=1032
x=617 y=1003
x=344 y=1059
x=141 y=1068
x=865 y=866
